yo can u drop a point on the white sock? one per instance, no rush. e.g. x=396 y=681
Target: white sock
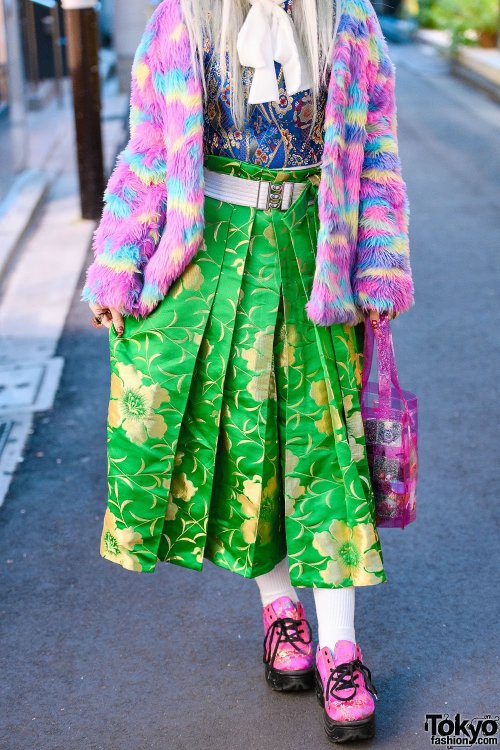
x=276 y=583
x=335 y=613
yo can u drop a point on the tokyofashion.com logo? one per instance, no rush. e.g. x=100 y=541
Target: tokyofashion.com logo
x=454 y=731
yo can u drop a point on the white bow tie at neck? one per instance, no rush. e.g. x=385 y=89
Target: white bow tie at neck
x=268 y=34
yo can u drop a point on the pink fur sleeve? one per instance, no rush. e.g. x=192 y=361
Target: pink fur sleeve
x=135 y=197
x=382 y=277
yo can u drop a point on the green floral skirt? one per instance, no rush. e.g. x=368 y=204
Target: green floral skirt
x=234 y=424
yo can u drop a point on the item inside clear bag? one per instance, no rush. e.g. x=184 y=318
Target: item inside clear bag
x=391 y=433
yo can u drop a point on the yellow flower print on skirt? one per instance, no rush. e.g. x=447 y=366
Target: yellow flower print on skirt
x=132 y=404
x=352 y=553
x=234 y=426
x=117 y=544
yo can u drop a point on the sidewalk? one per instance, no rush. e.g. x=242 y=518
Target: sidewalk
x=44 y=245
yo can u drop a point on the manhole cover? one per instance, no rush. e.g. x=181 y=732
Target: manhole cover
x=13 y=435
x=31 y=387
x=19 y=386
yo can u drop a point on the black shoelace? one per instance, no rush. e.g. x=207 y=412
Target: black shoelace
x=288 y=631
x=342 y=678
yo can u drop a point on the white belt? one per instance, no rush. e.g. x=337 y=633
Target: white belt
x=257 y=193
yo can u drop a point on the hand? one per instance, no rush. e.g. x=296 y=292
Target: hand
x=375 y=317
x=109 y=315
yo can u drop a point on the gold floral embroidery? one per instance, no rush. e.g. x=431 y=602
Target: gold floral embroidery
x=265 y=531
x=132 y=405
x=206 y=349
x=293 y=490
x=287 y=357
x=250 y=501
x=355 y=425
x=319 y=392
x=226 y=440
x=192 y=277
x=293 y=487
x=249 y=529
x=349 y=552
x=239 y=265
x=172 y=509
x=355 y=356
x=117 y=544
x=291 y=461
x=182 y=487
x=259 y=356
x=347 y=400
x=291 y=334
x=258 y=386
x=357 y=450
x=324 y=425
x=273 y=393
x=271 y=488
x=253 y=488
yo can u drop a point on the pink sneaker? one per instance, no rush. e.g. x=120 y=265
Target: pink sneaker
x=288 y=650
x=345 y=690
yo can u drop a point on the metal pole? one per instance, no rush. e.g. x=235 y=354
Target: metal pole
x=57 y=53
x=15 y=75
x=83 y=58
x=32 y=49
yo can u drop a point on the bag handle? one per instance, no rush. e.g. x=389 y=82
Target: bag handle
x=387 y=373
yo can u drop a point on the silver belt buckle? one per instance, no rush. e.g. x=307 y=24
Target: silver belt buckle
x=275 y=195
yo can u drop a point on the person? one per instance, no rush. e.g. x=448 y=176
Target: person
x=256 y=218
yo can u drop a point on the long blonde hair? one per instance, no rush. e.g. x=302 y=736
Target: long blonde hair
x=316 y=22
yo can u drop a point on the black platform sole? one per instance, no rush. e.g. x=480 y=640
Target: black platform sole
x=289 y=681
x=344 y=731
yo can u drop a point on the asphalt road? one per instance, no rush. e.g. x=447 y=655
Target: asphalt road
x=98 y=657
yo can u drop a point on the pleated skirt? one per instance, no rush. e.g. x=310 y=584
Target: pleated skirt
x=234 y=430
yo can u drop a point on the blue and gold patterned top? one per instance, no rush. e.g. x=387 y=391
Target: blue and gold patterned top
x=277 y=133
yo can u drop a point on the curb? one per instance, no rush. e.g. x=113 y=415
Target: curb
x=17 y=211
x=481 y=73
x=476 y=65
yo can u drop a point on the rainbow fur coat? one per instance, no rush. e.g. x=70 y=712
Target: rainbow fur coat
x=153 y=218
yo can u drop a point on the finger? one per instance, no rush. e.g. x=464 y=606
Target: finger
x=97 y=309
x=102 y=313
x=117 y=321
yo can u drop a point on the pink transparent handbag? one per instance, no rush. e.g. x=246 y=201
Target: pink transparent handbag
x=391 y=430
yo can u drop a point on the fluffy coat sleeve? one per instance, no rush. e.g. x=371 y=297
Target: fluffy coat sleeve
x=382 y=277
x=135 y=198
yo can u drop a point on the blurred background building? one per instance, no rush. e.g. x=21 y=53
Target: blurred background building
x=34 y=70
